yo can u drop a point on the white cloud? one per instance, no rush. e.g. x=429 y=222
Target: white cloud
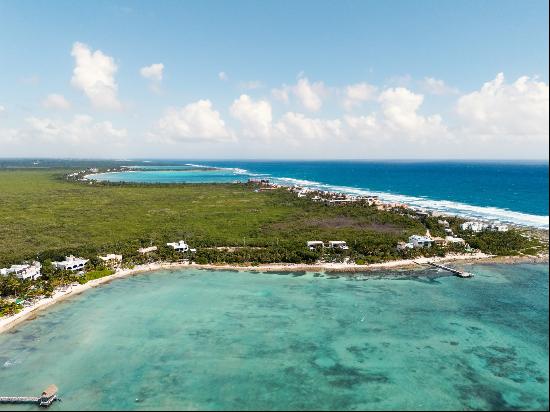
x=309 y=94
x=56 y=101
x=282 y=94
x=400 y=110
x=153 y=72
x=196 y=121
x=355 y=94
x=94 y=74
x=82 y=129
x=500 y=110
x=296 y=127
x=255 y=117
x=2 y=108
x=436 y=86
x=364 y=127
x=223 y=76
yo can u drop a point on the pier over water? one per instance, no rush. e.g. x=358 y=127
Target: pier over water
x=48 y=396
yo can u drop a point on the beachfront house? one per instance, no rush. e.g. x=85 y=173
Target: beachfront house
x=24 y=271
x=315 y=244
x=111 y=259
x=144 y=250
x=338 y=244
x=474 y=226
x=420 y=241
x=180 y=246
x=455 y=240
x=498 y=227
x=71 y=263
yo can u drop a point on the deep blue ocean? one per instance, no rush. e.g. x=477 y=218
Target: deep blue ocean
x=514 y=192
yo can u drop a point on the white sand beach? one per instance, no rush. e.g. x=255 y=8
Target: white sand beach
x=8 y=322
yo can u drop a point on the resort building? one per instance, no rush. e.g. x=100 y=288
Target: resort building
x=420 y=241
x=71 y=263
x=144 y=250
x=338 y=244
x=315 y=244
x=180 y=246
x=24 y=271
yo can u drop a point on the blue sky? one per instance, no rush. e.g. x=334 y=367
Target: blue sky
x=416 y=72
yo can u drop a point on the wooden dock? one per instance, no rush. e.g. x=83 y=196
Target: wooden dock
x=48 y=396
x=455 y=272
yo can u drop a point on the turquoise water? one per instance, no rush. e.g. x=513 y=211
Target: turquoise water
x=513 y=192
x=195 y=339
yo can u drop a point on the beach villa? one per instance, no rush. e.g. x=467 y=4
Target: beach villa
x=111 y=259
x=144 y=250
x=420 y=241
x=71 y=263
x=474 y=226
x=455 y=240
x=315 y=244
x=24 y=271
x=338 y=244
x=180 y=246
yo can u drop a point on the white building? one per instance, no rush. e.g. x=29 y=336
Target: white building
x=420 y=241
x=111 y=258
x=498 y=227
x=144 y=250
x=71 y=263
x=24 y=271
x=455 y=240
x=474 y=226
x=338 y=244
x=314 y=244
x=180 y=246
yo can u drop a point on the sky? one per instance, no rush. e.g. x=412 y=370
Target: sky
x=274 y=79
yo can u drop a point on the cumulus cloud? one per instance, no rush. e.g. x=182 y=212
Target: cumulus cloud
x=400 y=110
x=194 y=122
x=519 y=109
x=152 y=72
x=355 y=94
x=94 y=74
x=296 y=126
x=310 y=95
x=282 y=94
x=2 y=108
x=436 y=86
x=56 y=101
x=364 y=127
x=81 y=129
x=254 y=116
x=223 y=76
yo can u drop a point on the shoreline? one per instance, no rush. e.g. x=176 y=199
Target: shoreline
x=28 y=313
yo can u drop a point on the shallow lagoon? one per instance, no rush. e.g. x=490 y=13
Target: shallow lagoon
x=197 y=339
